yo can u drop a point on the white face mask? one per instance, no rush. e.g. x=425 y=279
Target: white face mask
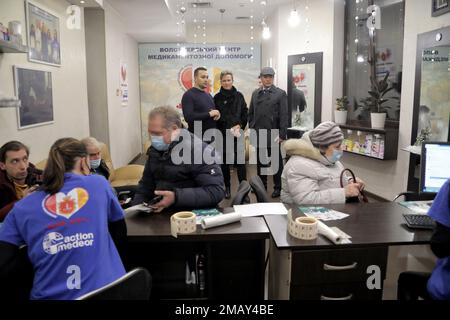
x=95 y=163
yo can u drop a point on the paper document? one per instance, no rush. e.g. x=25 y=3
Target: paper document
x=420 y=207
x=138 y=208
x=205 y=213
x=322 y=213
x=260 y=209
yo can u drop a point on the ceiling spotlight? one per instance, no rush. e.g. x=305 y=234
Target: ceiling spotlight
x=263 y=2
x=360 y=59
x=82 y=2
x=183 y=10
x=294 y=19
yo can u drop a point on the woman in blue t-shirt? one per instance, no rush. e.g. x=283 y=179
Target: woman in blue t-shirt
x=67 y=226
x=412 y=285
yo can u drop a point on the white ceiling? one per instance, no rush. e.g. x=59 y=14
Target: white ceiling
x=156 y=20
x=87 y=3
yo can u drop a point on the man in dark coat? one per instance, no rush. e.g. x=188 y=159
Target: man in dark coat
x=269 y=110
x=180 y=167
x=18 y=177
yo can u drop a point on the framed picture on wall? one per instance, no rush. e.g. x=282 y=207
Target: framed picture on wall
x=43 y=33
x=439 y=7
x=34 y=90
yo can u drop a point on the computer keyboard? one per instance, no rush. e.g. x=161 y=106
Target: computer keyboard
x=419 y=221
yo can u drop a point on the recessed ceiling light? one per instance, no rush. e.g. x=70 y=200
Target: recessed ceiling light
x=82 y=2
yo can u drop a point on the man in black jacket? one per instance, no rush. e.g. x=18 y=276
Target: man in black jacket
x=269 y=110
x=198 y=106
x=180 y=167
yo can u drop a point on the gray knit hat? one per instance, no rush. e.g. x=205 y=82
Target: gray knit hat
x=325 y=134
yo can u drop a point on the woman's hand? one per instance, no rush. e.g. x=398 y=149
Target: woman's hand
x=351 y=190
x=361 y=183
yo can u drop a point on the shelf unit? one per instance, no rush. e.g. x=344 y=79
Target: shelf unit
x=10 y=47
x=389 y=135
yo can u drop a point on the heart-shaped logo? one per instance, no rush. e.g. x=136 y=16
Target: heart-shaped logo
x=65 y=205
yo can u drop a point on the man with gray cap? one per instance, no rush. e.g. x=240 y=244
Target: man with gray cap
x=269 y=110
x=312 y=174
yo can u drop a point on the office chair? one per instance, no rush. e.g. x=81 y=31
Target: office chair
x=412 y=285
x=18 y=282
x=135 y=285
x=241 y=195
x=260 y=191
x=414 y=196
x=126 y=176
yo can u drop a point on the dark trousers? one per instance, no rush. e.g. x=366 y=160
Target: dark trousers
x=228 y=155
x=261 y=156
x=412 y=285
x=241 y=172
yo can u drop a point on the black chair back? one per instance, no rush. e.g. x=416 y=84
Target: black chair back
x=135 y=285
x=260 y=191
x=415 y=196
x=242 y=192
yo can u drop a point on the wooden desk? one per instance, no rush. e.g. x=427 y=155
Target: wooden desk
x=297 y=267
x=234 y=253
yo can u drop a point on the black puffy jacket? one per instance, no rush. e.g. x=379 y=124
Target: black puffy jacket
x=195 y=185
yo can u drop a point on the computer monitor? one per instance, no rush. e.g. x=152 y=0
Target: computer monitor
x=435 y=166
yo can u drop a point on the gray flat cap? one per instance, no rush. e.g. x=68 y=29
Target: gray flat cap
x=267 y=71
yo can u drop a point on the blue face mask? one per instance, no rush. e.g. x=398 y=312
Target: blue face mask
x=159 y=144
x=337 y=155
x=95 y=163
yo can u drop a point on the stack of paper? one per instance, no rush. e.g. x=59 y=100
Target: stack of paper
x=420 y=207
x=260 y=209
x=322 y=213
x=201 y=214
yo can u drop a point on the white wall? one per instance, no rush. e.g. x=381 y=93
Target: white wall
x=124 y=122
x=325 y=34
x=388 y=178
x=69 y=84
x=96 y=74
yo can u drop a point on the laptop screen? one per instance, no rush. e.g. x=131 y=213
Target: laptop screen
x=435 y=166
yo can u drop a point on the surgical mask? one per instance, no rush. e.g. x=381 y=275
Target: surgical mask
x=337 y=155
x=95 y=163
x=159 y=144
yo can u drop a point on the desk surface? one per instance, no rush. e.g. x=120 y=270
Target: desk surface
x=156 y=227
x=368 y=224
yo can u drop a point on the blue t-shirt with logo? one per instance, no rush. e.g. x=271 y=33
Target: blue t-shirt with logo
x=439 y=283
x=67 y=236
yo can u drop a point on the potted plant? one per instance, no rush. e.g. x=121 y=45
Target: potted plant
x=340 y=114
x=376 y=100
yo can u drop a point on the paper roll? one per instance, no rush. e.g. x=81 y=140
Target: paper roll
x=221 y=220
x=329 y=233
x=304 y=228
x=182 y=223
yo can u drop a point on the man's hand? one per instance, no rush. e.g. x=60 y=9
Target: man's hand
x=167 y=201
x=236 y=131
x=278 y=140
x=215 y=114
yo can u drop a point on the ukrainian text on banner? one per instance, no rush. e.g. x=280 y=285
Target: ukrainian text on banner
x=165 y=74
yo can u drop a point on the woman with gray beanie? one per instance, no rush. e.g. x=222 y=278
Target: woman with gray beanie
x=312 y=174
